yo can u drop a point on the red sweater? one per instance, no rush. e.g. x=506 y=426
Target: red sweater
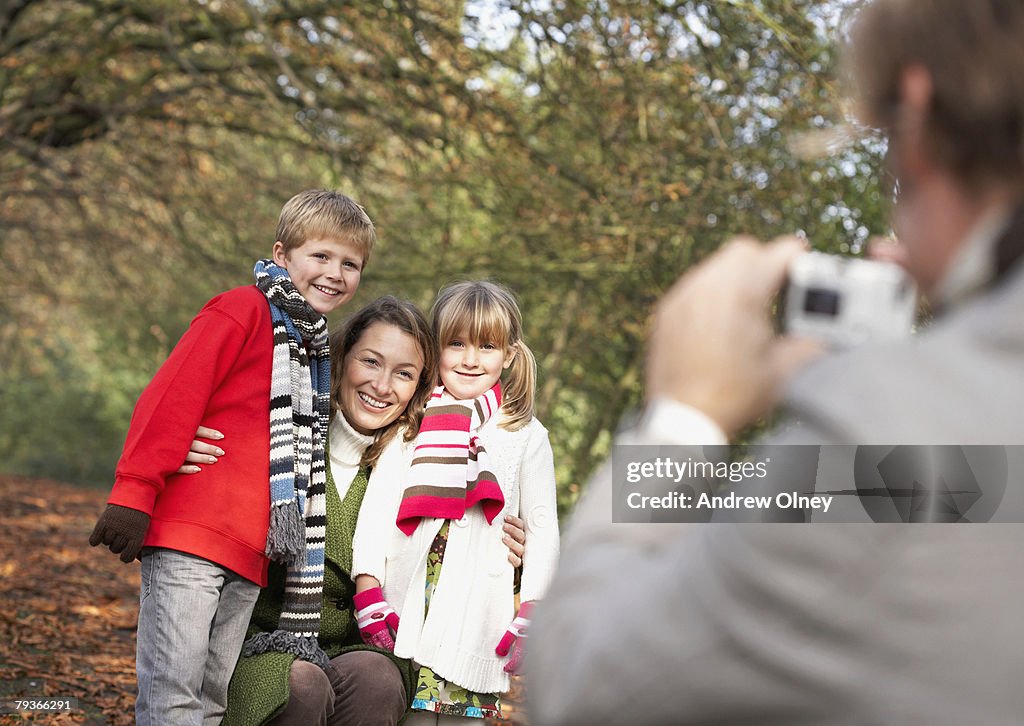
x=218 y=375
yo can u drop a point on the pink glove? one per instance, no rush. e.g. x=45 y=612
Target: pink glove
x=374 y=616
x=514 y=638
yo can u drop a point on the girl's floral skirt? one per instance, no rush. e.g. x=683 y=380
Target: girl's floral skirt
x=434 y=693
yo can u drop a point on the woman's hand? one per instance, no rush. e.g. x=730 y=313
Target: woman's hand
x=202 y=452
x=514 y=539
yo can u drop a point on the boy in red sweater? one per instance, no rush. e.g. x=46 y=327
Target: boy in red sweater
x=255 y=365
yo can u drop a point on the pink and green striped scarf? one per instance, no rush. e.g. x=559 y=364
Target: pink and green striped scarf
x=451 y=471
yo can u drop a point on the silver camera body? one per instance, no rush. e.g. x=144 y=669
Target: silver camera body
x=846 y=301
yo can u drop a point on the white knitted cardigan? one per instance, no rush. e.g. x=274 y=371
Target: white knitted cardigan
x=473 y=601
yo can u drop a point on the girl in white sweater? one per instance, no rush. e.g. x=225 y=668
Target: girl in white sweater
x=428 y=546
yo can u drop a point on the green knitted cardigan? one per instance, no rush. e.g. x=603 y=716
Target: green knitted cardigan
x=259 y=685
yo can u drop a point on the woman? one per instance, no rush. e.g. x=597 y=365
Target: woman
x=383 y=368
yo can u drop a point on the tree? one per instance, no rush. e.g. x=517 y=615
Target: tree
x=583 y=152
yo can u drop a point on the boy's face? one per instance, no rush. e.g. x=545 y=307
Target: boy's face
x=326 y=272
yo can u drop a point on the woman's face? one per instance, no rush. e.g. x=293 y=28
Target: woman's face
x=380 y=376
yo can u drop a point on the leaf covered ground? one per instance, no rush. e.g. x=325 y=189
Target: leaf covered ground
x=68 y=610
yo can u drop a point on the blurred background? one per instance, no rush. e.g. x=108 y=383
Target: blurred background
x=583 y=153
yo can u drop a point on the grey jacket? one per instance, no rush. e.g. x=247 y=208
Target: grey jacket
x=810 y=623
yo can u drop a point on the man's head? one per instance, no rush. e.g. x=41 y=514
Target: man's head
x=944 y=79
x=324 y=240
x=974 y=55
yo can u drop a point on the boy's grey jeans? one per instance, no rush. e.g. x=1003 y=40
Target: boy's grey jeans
x=193 y=615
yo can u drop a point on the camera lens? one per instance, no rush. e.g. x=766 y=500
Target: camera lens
x=821 y=301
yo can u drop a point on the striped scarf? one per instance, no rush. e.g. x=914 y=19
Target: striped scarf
x=450 y=470
x=299 y=413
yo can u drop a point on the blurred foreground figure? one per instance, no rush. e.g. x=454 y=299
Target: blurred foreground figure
x=830 y=623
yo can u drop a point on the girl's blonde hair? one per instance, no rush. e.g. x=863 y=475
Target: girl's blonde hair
x=486 y=312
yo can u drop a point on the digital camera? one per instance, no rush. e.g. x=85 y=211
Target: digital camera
x=845 y=301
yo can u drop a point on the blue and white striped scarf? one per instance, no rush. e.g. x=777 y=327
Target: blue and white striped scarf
x=299 y=414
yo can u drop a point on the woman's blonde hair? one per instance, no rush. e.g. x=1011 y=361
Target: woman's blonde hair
x=409 y=319
x=485 y=311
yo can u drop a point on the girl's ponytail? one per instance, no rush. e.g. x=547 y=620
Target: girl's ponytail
x=518 y=392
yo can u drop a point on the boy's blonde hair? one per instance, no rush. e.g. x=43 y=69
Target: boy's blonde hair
x=322 y=213
x=486 y=312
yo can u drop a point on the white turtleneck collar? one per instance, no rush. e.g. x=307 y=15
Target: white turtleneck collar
x=347 y=447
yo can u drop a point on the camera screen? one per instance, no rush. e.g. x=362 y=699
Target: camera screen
x=821 y=301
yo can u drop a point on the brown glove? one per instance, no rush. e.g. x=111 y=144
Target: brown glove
x=122 y=529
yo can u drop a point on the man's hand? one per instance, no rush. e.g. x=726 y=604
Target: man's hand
x=122 y=530
x=713 y=346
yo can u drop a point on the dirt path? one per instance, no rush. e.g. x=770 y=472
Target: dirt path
x=67 y=610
